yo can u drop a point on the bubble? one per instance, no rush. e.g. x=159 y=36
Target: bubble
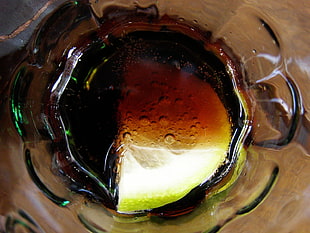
x=163 y=120
x=193 y=128
x=192 y=140
x=185 y=115
x=164 y=100
x=197 y=124
x=155 y=84
x=177 y=64
x=127 y=137
x=144 y=120
x=169 y=138
x=178 y=101
x=129 y=119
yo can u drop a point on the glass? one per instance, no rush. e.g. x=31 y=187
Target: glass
x=269 y=39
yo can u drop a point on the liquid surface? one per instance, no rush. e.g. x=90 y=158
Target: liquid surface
x=274 y=59
x=146 y=99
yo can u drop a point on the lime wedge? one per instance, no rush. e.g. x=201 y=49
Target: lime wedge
x=143 y=187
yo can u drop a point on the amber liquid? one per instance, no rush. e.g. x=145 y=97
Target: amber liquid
x=159 y=84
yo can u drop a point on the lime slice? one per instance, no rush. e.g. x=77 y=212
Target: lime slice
x=142 y=187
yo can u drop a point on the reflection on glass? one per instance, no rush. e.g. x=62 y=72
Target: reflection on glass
x=147 y=116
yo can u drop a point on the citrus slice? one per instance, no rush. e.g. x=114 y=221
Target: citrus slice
x=142 y=188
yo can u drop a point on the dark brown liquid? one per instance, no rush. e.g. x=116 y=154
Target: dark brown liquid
x=163 y=105
x=157 y=82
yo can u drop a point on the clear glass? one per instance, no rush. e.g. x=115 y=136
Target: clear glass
x=271 y=41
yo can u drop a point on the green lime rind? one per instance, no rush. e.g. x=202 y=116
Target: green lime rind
x=239 y=165
x=143 y=188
